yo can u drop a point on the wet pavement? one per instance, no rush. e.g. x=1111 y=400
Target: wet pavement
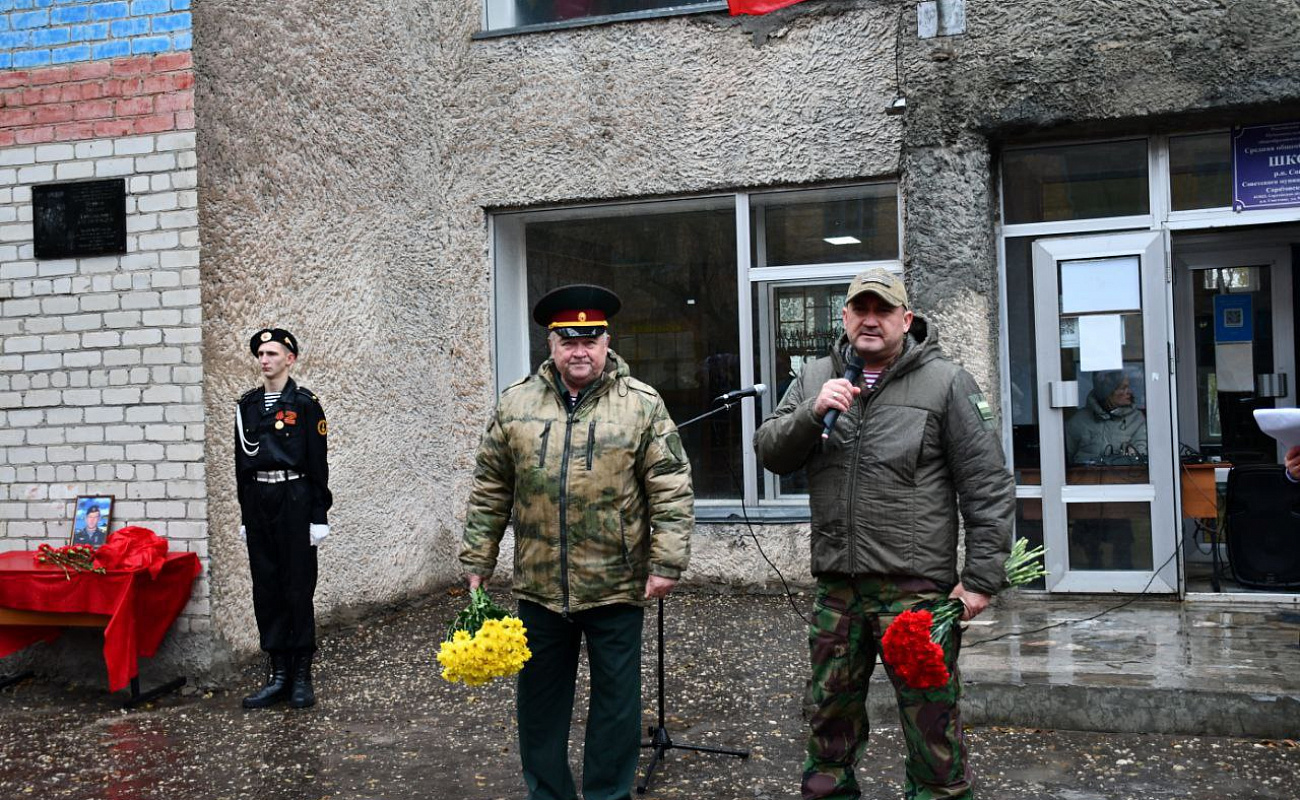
x=387 y=727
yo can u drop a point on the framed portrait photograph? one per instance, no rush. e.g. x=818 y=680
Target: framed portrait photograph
x=90 y=520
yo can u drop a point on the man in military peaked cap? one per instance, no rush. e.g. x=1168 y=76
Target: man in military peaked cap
x=587 y=462
x=576 y=311
x=282 y=475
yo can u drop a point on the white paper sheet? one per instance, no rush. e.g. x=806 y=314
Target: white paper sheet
x=1282 y=424
x=1234 y=367
x=1103 y=284
x=1101 y=342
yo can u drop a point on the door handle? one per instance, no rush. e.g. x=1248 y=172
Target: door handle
x=1063 y=394
x=1270 y=385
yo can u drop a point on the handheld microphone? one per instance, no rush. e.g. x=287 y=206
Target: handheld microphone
x=852 y=371
x=757 y=390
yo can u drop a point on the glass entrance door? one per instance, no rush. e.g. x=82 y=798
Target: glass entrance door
x=1107 y=457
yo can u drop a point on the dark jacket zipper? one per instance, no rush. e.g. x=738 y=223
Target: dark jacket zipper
x=564 y=496
x=546 y=438
x=564 y=516
x=622 y=532
x=591 y=442
x=849 y=537
x=865 y=398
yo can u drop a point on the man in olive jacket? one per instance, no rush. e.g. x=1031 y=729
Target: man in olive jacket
x=915 y=441
x=588 y=462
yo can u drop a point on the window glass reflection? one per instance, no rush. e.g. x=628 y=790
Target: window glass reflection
x=806 y=324
x=1225 y=407
x=518 y=13
x=1106 y=434
x=678 y=331
x=1109 y=536
x=1022 y=346
x=1200 y=171
x=1079 y=181
x=825 y=226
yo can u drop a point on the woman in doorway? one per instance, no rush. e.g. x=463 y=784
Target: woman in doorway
x=1109 y=429
x=1109 y=432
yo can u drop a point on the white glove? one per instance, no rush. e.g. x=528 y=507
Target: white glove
x=243 y=534
x=318 y=533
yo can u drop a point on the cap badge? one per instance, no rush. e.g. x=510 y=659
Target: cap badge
x=582 y=316
x=266 y=336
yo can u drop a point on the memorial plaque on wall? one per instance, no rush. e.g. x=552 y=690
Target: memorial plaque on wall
x=79 y=219
x=1266 y=166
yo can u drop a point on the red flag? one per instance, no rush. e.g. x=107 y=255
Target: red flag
x=757 y=6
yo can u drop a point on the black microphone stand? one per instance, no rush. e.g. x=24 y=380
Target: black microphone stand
x=660 y=741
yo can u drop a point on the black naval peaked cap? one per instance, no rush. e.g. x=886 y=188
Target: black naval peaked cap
x=580 y=309
x=279 y=335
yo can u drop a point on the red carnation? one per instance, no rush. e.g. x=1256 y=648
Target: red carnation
x=909 y=649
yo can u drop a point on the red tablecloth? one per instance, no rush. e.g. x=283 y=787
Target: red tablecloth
x=141 y=608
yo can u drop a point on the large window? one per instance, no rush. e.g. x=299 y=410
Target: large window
x=1200 y=171
x=1075 y=181
x=718 y=293
x=511 y=14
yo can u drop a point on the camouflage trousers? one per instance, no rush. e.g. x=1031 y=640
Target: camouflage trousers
x=849 y=617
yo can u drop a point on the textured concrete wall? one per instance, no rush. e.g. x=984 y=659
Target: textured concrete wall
x=348 y=153
x=1122 y=66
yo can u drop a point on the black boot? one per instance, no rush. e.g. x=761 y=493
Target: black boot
x=303 y=695
x=277 y=685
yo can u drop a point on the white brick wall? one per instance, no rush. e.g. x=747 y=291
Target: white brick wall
x=100 y=367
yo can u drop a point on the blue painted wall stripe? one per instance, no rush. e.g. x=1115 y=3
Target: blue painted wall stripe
x=39 y=32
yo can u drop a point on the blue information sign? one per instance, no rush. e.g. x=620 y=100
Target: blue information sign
x=1265 y=166
x=1233 y=320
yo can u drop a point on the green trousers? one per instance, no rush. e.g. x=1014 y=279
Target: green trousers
x=849 y=617
x=545 y=701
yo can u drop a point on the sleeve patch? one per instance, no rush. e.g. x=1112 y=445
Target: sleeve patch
x=322 y=428
x=675 y=447
x=982 y=409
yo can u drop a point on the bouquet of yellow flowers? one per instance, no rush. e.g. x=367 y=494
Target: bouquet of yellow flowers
x=483 y=642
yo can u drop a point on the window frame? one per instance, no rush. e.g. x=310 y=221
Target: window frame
x=511 y=316
x=682 y=9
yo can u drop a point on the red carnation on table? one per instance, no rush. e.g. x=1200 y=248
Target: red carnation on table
x=914 y=656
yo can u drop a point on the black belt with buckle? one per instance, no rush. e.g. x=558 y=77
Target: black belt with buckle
x=277 y=476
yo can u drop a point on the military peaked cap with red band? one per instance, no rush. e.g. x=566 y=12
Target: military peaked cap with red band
x=578 y=310
x=279 y=335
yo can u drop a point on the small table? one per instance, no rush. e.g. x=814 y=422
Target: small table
x=1202 y=484
x=134 y=609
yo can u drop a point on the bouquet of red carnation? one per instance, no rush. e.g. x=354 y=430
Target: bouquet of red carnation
x=913 y=643
x=75 y=557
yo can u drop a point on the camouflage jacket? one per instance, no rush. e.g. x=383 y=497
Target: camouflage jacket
x=600 y=498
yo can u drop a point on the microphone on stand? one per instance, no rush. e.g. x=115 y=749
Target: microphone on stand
x=757 y=390
x=852 y=371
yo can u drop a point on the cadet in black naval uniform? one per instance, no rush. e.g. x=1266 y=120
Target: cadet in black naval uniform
x=283 y=480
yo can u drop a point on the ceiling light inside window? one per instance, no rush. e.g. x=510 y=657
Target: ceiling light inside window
x=842 y=240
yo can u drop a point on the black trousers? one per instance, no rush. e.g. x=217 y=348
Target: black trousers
x=545 y=701
x=283 y=564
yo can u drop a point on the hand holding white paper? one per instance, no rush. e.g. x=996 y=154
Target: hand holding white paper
x=1282 y=424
